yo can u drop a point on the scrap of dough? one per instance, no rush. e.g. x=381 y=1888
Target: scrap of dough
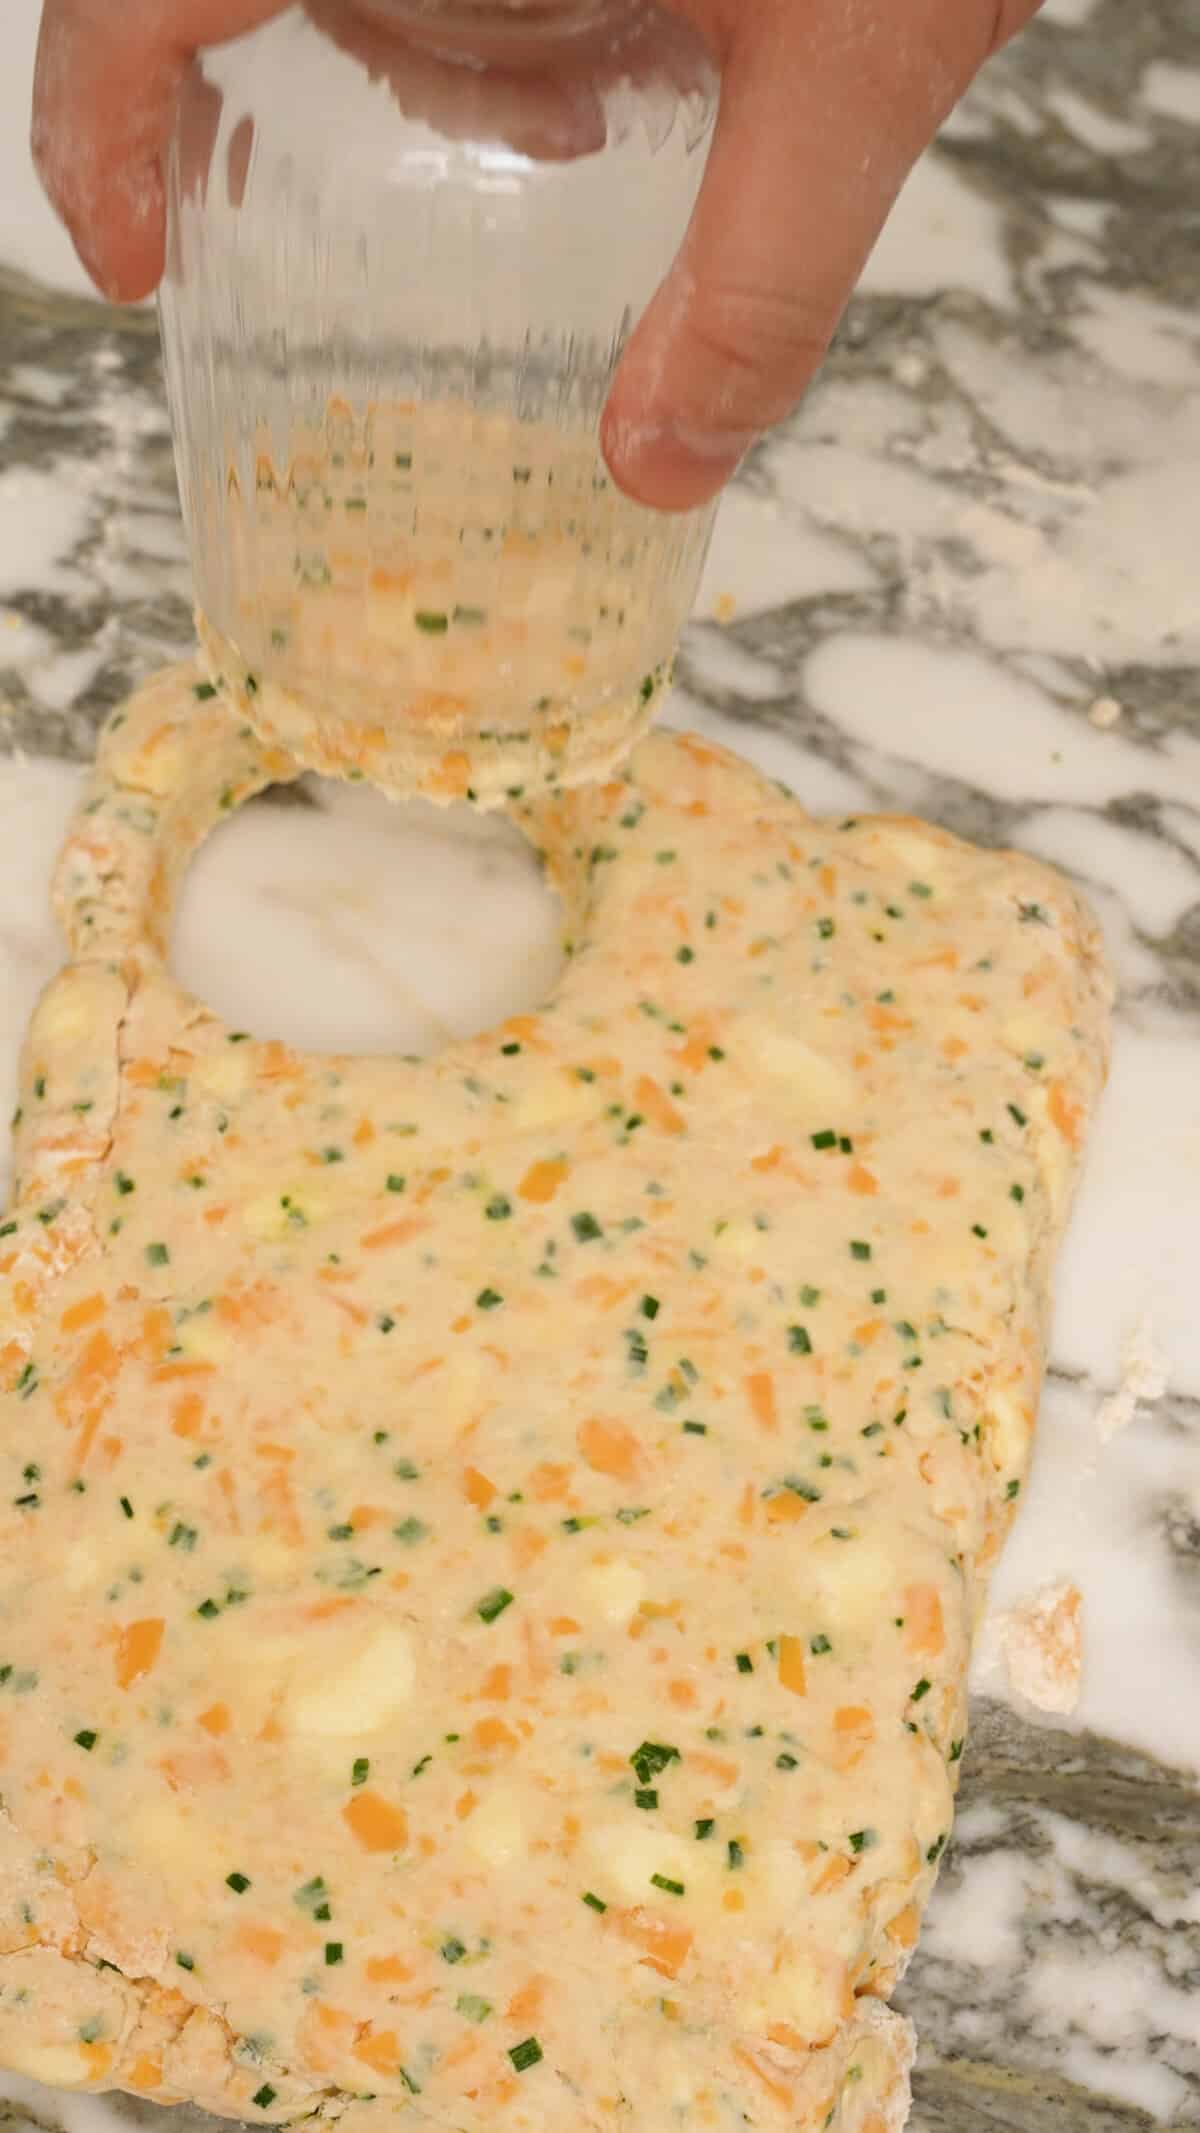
x=489 y=1547
x=1042 y=1643
x=1143 y=1380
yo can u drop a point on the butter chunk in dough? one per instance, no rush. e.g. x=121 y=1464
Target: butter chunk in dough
x=489 y=1547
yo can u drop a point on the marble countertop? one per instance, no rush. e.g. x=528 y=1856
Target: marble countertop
x=962 y=583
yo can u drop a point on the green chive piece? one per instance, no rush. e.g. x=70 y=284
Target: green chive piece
x=525 y=2055
x=652 y=1758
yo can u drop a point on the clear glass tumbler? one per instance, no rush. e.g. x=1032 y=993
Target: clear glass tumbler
x=407 y=242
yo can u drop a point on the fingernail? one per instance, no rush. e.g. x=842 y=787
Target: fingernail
x=672 y=465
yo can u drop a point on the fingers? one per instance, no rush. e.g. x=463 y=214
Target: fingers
x=825 y=106
x=550 y=113
x=107 y=76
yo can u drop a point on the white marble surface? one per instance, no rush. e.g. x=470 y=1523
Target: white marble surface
x=962 y=584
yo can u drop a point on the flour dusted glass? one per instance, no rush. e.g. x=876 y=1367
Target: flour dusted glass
x=407 y=243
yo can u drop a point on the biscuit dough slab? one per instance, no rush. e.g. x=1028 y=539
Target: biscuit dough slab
x=489 y=1547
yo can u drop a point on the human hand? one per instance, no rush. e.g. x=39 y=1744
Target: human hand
x=825 y=106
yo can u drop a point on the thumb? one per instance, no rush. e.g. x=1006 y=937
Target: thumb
x=824 y=110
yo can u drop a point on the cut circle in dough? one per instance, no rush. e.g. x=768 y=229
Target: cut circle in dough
x=489 y=1548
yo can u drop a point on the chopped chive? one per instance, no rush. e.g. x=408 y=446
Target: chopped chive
x=264 y=2097
x=525 y=2055
x=472 y=2008
x=493 y=1604
x=86 y=1740
x=360 y=1770
x=922 y=1689
x=586 y=1228
x=745 y=1664
x=827 y=1139
x=395 y=1183
x=157 y=1255
x=593 y=1903
x=488 y=1299
x=239 y=1883
x=333 y=1953
x=798 y=1340
x=652 y=1758
x=859 y=1250
x=646 y=1797
x=735 y=1855
x=452 y=1950
x=672 y=1888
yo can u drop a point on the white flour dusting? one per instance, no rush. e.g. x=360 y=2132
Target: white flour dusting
x=1143 y=1380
